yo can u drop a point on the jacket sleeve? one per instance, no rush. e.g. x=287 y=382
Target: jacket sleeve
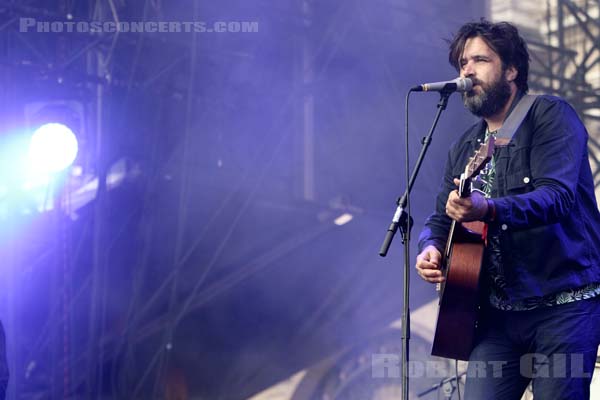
x=558 y=149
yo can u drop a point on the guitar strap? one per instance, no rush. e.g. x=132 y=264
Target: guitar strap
x=509 y=128
x=514 y=120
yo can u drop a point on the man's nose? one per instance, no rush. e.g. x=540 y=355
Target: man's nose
x=467 y=70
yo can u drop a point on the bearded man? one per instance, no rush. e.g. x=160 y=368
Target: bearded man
x=541 y=265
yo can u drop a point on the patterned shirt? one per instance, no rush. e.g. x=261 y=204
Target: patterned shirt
x=493 y=261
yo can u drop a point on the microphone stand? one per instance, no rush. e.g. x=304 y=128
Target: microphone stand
x=446 y=384
x=402 y=221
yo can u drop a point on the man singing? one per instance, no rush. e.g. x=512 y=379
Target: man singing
x=541 y=267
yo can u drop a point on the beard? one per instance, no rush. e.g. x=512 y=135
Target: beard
x=491 y=100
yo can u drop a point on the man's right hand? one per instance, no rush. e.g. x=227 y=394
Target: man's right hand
x=429 y=265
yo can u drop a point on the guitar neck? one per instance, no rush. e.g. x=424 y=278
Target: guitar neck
x=464 y=188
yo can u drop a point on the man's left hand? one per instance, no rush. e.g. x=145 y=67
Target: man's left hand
x=465 y=209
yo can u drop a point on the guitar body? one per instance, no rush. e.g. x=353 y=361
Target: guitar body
x=456 y=326
x=455 y=331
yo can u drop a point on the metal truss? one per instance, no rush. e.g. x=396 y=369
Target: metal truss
x=567 y=63
x=83 y=66
x=92 y=62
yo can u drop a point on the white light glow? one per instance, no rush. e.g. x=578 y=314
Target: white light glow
x=53 y=148
x=343 y=219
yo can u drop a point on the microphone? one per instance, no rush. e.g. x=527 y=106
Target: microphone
x=455 y=85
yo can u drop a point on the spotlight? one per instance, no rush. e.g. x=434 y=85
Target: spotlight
x=343 y=219
x=52 y=149
x=35 y=159
x=59 y=131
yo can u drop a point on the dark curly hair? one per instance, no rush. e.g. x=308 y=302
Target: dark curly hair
x=503 y=38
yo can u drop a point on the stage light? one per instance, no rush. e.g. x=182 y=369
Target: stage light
x=53 y=148
x=343 y=219
x=39 y=162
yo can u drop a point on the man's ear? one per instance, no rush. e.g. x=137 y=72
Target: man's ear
x=511 y=73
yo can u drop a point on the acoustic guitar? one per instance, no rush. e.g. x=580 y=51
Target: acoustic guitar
x=461 y=266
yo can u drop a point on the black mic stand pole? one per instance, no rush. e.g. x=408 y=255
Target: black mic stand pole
x=400 y=221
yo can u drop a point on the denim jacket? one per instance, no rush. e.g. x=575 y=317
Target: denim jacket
x=546 y=211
